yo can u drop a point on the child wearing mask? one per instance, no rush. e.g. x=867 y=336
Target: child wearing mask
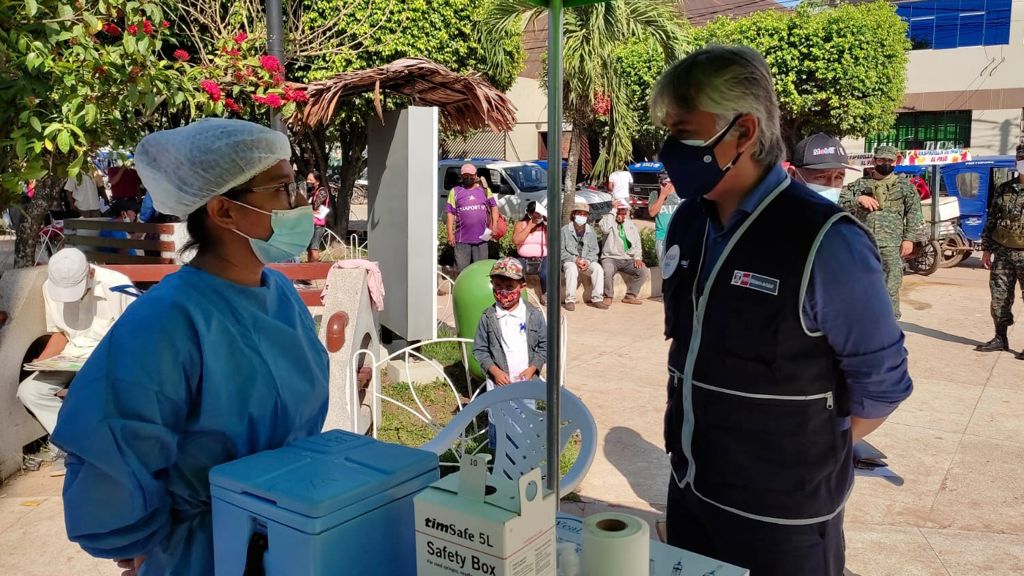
x=511 y=339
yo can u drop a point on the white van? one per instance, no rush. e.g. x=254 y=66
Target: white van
x=514 y=184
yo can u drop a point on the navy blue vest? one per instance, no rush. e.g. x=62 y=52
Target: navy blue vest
x=755 y=417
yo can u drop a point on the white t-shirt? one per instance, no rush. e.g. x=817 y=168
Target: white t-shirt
x=87 y=321
x=620 y=182
x=513 y=339
x=86 y=196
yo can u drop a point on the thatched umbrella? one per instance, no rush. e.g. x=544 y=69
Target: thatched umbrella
x=466 y=102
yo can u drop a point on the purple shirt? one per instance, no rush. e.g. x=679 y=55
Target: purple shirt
x=472 y=210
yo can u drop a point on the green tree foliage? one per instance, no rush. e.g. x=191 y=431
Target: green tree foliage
x=597 y=97
x=382 y=31
x=837 y=70
x=75 y=76
x=639 y=63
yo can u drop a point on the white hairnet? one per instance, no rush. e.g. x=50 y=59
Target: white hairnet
x=183 y=168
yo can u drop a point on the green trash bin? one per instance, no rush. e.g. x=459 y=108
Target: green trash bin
x=471 y=296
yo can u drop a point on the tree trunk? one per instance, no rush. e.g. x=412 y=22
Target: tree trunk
x=26 y=244
x=353 y=141
x=791 y=129
x=571 y=170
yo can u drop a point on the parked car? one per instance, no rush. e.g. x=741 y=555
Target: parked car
x=515 y=184
x=645 y=181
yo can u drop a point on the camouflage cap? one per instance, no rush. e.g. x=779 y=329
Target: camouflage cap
x=886 y=152
x=508 y=267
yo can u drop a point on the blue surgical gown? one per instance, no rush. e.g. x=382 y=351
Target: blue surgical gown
x=199 y=371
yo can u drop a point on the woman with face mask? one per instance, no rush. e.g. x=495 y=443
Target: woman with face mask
x=218 y=361
x=530 y=237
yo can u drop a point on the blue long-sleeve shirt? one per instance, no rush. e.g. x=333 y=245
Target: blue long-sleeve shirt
x=846 y=300
x=147 y=212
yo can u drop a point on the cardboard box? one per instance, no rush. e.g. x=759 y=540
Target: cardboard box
x=465 y=527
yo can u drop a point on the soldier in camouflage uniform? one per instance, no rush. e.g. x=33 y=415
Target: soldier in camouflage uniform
x=1003 y=245
x=889 y=206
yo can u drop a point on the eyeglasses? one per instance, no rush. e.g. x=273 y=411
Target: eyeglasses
x=291 y=188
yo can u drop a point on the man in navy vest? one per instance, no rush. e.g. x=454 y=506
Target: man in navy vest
x=784 y=347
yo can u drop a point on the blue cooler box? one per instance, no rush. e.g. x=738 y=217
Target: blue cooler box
x=333 y=504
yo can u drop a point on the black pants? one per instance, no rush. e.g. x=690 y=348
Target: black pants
x=466 y=254
x=763 y=548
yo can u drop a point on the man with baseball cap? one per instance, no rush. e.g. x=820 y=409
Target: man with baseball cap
x=82 y=302
x=820 y=162
x=890 y=208
x=471 y=209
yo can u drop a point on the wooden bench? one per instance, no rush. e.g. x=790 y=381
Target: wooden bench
x=308 y=272
x=84 y=234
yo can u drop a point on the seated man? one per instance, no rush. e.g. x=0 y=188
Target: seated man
x=622 y=253
x=82 y=302
x=579 y=256
x=125 y=210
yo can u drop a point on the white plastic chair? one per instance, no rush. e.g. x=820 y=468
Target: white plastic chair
x=521 y=433
x=51 y=240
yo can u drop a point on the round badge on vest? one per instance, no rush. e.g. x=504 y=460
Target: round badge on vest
x=671 y=262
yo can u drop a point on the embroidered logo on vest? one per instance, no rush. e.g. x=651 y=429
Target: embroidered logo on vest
x=756 y=282
x=671 y=262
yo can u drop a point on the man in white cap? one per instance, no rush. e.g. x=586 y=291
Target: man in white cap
x=471 y=210
x=82 y=302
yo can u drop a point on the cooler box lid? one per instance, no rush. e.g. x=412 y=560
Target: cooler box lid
x=323 y=474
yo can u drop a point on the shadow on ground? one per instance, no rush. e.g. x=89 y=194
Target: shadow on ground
x=624 y=448
x=937 y=334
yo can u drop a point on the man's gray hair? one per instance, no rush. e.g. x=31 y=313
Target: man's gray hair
x=726 y=81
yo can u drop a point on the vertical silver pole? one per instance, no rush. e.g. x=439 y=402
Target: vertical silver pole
x=554 y=240
x=937 y=169
x=275 y=47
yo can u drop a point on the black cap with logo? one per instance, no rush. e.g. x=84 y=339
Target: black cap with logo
x=820 y=152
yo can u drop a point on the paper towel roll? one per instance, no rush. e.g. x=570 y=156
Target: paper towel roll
x=615 y=545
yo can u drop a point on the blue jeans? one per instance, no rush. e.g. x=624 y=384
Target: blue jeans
x=543 y=273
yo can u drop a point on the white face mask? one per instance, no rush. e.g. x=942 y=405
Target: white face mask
x=826 y=191
x=1020 y=166
x=579 y=220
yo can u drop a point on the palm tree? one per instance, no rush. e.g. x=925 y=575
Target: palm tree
x=592 y=35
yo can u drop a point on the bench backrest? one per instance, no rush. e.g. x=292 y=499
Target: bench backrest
x=151 y=273
x=159 y=247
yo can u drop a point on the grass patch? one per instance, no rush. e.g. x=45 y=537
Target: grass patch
x=398 y=426
x=444 y=353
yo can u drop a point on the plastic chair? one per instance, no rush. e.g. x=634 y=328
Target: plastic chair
x=51 y=240
x=521 y=433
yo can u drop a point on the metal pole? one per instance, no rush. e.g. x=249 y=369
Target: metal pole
x=275 y=47
x=554 y=240
x=936 y=170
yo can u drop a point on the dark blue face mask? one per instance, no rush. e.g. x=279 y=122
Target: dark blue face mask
x=691 y=164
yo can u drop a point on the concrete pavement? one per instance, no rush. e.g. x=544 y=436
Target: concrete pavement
x=958 y=442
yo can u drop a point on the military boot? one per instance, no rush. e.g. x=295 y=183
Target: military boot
x=997 y=344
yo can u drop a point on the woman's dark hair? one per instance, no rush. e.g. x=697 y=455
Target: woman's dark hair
x=316 y=176
x=198 y=227
x=530 y=209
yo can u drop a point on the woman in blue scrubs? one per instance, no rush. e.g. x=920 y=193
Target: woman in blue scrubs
x=218 y=361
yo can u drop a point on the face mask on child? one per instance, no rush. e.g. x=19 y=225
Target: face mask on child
x=508 y=299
